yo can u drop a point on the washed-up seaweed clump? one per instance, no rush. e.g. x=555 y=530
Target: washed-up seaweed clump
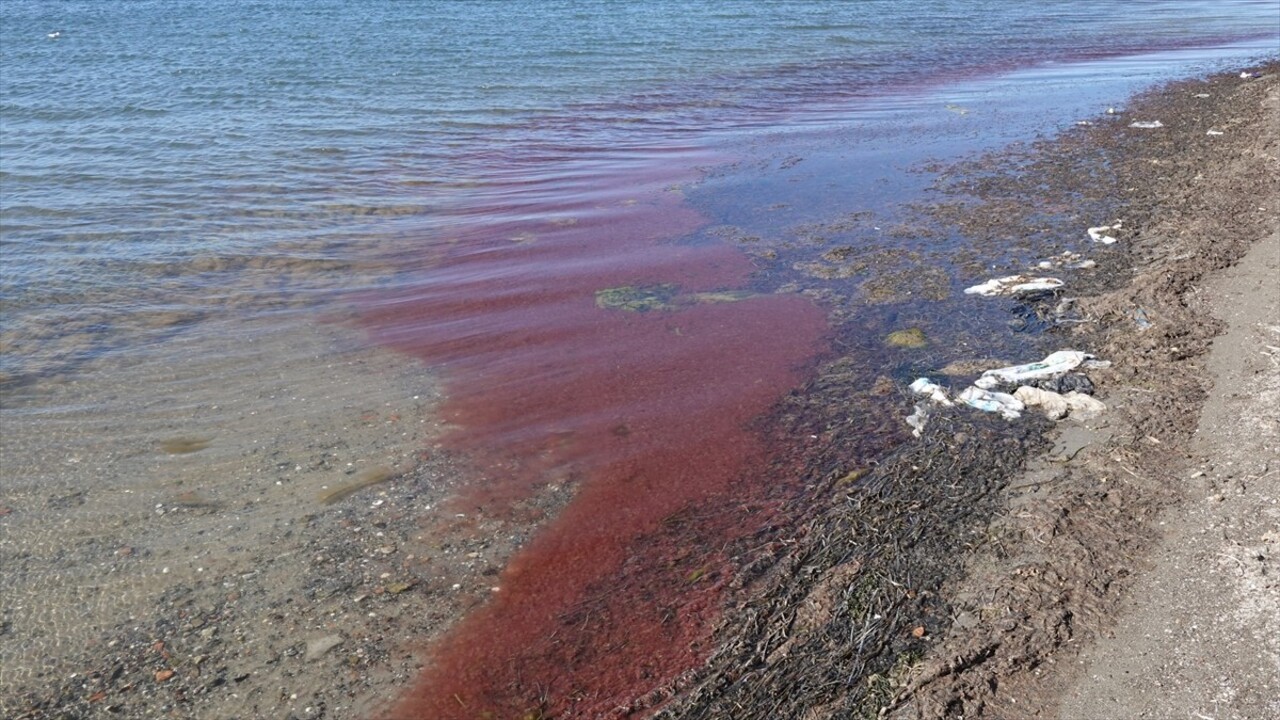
x=845 y=606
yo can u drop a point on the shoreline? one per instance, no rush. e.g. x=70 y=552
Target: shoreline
x=1037 y=559
x=1119 y=533
x=293 y=660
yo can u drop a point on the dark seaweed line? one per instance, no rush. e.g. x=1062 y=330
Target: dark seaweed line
x=896 y=531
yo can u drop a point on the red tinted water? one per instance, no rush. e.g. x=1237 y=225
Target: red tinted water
x=647 y=413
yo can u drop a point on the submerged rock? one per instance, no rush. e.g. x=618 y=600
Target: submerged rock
x=910 y=338
x=317 y=647
x=637 y=299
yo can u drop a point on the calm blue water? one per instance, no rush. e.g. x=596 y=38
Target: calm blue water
x=162 y=163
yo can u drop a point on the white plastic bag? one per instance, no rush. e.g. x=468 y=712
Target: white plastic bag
x=1014 y=285
x=1055 y=364
x=1053 y=405
x=934 y=391
x=1008 y=406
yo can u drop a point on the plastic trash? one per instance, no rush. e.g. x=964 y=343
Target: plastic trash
x=1068 y=259
x=1099 y=234
x=918 y=419
x=1014 y=285
x=1053 y=405
x=1215 y=132
x=1054 y=365
x=1247 y=75
x=934 y=391
x=1008 y=406
x=1084 y=407
x=1146 y=124
x=1056 y=406
x=1071 y=382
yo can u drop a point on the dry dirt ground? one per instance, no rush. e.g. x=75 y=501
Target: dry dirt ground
x=1196 y=636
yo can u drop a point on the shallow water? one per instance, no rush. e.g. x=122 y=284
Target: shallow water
x=167 y=164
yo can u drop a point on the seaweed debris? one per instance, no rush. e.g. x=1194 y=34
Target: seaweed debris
x=840 y=613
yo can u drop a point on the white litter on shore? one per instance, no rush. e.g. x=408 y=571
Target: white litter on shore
x=1007 y=405
x=1068 y=259
x=982 y=396
x=918 y=419
x=1099 y=234
x=1084 y=407
x=1014 y=285
x=1054 y=364
x=1146 y=124
x=1055 y=406
x=934 y=391
x=1215 y=132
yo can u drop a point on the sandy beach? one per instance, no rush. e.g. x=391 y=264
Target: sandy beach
x=1118 y=567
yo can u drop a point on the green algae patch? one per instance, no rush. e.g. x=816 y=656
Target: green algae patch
x=637 y=298
x=911 y=338
x=722 y=296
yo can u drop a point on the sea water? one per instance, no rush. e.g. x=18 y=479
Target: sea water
x=164 y=163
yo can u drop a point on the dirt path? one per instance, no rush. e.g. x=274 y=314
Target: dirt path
x=1196 y=637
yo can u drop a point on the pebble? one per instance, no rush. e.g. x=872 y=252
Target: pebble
x=317 y=647
x=163 y=675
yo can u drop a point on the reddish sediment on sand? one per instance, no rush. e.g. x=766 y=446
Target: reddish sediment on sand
x=646 y=414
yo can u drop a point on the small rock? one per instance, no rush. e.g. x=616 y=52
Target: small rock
x=909 y=338
x=318 y=647
x=396 y=588
x=164 y=675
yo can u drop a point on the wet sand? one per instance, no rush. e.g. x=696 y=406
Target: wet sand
x=269 y=547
